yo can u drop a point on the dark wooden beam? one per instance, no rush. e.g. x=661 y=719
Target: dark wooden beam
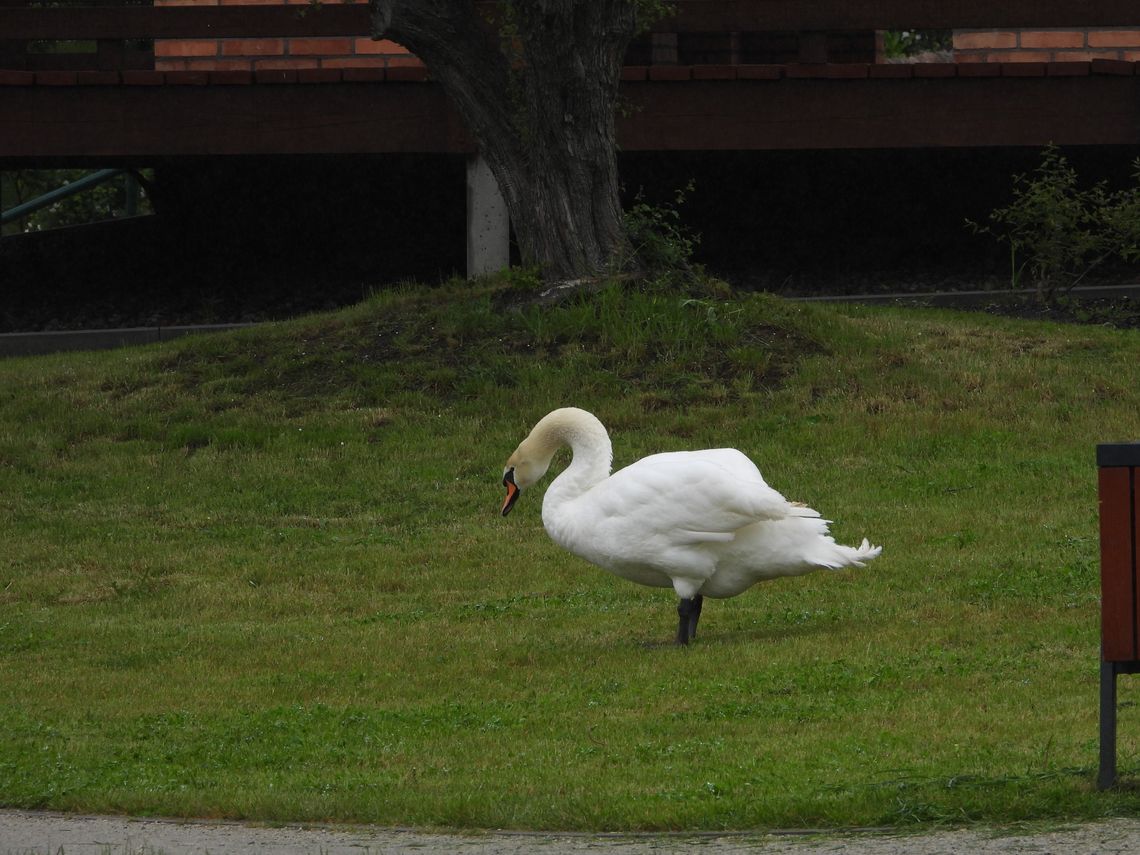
x=99 y=123
x=195 y=22
x=328 y=19
x=122 y=122
x=760 y=15
x=881 y=113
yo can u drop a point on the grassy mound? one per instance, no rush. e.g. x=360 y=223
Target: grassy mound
x=262 y=574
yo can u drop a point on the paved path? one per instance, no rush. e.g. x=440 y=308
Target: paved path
x=35 y=833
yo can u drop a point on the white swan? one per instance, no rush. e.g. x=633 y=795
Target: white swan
x=701 y=522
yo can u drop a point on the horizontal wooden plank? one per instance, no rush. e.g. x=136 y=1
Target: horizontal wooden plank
x=745 y=15
x=101 y=123
x=138 y=22
x=168 y=22
x=874 y=112
x=75 y=3
x=126 y=121
x=657 y=74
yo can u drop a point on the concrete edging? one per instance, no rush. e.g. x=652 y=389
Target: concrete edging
x=950 y=299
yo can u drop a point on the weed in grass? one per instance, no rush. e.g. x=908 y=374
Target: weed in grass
x=260 y=575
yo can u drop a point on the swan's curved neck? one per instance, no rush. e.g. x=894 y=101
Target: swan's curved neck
x=589 y=443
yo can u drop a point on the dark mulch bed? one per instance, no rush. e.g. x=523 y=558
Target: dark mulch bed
x=1123 y=313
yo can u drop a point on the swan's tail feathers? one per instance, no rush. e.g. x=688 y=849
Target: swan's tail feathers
x=865 y=552
x=799 y=509
x=839 y=556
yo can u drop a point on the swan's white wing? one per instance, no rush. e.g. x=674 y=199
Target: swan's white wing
x=691 y=496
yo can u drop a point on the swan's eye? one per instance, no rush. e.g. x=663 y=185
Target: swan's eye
x=509 y=476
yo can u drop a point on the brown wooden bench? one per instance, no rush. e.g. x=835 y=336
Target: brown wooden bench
x=1119 y=480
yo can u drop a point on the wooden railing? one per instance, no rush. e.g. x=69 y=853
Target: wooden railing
x=700 y=80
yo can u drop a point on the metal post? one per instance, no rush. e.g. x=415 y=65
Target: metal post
x=1107 y=776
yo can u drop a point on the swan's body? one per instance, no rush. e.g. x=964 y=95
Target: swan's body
x=702 y=522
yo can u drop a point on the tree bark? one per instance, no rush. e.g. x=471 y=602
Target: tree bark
x=538 y=89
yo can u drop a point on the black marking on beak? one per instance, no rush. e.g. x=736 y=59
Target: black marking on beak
x=512 y=490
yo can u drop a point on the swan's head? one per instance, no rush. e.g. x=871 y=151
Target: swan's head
x=521 y=471
x=566 y=426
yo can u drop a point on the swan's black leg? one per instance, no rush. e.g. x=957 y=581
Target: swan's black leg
x=687 y=613
x=695 y=615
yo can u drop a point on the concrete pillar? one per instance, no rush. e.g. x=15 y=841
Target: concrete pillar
x=488 y=226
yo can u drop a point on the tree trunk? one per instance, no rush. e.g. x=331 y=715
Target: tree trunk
x=538 y=90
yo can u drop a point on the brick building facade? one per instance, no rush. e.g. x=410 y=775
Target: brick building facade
x=994 y=45
x=274 y=53
x=1046 y=45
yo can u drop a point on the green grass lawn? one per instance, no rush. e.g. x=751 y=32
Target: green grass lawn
x=262 y=574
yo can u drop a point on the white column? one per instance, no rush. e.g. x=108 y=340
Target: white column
x=488 y=226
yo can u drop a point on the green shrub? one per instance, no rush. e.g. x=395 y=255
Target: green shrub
x=661 y=243
x=902 y=44
x=1058 y=232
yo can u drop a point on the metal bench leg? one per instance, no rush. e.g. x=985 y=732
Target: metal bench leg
x=1107 y=776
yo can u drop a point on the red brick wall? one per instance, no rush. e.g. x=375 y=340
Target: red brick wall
x=273 y=53
x=1053 y=45
x=1045 y=45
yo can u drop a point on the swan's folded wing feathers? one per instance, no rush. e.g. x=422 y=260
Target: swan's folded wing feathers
x=691 y=537
x=700 y=496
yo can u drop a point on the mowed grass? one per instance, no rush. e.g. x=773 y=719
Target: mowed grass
x=263 y=575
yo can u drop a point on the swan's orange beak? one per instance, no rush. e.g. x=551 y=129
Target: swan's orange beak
x=512 y=491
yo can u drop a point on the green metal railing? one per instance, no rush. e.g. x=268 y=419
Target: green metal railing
x=78 y=186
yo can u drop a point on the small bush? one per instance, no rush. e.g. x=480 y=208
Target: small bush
x=661 y=244
x=905 y=44
x=1058 y=232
